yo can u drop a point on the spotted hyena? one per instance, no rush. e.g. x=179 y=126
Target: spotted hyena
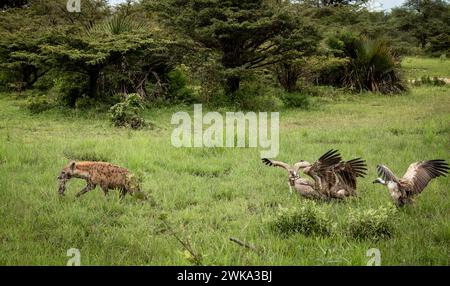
x=107 y=176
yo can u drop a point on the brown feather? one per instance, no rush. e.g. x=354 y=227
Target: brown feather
x=386 y=174
x=419 y=174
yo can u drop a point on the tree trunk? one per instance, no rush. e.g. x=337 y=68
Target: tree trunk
x=287 y=76
x=232 y=84
x=93 y=78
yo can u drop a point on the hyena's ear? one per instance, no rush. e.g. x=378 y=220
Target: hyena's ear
x=72 y=165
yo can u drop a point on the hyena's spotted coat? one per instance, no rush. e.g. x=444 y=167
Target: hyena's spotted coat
x=107 y=176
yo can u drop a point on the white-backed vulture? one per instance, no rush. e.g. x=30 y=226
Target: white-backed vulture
x=333 y=177
x=304 y=187
x=414 y=181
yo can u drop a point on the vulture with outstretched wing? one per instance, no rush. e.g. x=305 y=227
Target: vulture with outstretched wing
x=333 y=177
x=304 y=187
x=414 y=181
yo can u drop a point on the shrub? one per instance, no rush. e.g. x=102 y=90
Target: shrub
x=39 y=103
x=265 y=102
x=178 y=89
x=70 y=87
x=85 y=102
x=307 y=219
x=296 y=99
x=47 y=81
x=439 y=45
x=371 y=65
x=126 y=113
x=256 y=97
x=371 y=224
x=427 y=80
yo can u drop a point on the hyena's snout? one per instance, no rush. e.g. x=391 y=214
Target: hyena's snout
x=62 y=179
x=62 y=187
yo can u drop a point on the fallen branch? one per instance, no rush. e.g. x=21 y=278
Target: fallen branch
x=243 y=244
x=197 y=259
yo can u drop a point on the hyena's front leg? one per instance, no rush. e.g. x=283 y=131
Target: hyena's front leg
x=123 y=192
x=89 y=186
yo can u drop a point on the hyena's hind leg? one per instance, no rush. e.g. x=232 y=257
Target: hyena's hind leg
x=105 y=189
x=89 y=186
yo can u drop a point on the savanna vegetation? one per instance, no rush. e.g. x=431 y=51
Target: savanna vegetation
x=102 y=85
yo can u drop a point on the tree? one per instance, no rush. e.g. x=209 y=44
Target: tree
x=247 y=33
x=291 y=67
x=24 y=31
x=123 y=50
x=424 y=19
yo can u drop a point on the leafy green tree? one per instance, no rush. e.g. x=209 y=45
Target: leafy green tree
x=120 y=51
x=247 y=33
x=24 y=31
x=424 y=19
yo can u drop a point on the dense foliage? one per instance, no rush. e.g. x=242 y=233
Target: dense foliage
x=251 y=53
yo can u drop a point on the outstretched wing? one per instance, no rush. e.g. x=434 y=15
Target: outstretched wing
x=386 y=174
x=350 y=170
x=273 y=163
x=419 y=174
x=326 y=161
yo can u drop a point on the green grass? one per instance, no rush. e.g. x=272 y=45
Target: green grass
x=208 y=195
x=416 y=67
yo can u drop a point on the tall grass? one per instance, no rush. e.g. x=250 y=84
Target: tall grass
x=209 y=195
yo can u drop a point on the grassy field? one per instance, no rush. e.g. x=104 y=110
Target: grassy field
x=207 y=195
x=416 y=67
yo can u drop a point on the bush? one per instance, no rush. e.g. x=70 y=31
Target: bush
x=371 y=65
x=47 y=81
x=70 y=87
x=371 y=224
x=427 y=80
x=178 y=89
x=373 y=68
x=307 y=219
x=39 y=103
x=85 y=102
x=126 y=113
x=439 y=45
x=256 y=97
x=265 y=102
x=296 y=99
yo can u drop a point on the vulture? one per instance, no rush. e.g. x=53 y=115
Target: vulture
x=304 y=187
x=334 y=177
x=414 y=181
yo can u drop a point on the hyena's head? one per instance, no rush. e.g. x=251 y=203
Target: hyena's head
x=67 y=172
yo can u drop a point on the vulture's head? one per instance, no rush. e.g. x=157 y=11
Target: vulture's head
x=379 y=181
x=293 y=175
